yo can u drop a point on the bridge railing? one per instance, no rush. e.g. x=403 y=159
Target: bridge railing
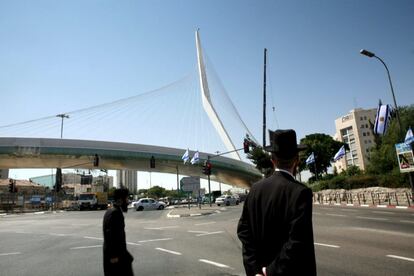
x=365 y=198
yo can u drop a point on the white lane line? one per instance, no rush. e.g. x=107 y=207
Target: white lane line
x=335 y=215
x=93 y=238
x=165 y=239
x=209 y=233
x=215 y=263
x=57 y=234
x=349 y=210
x=11 y=253
x=317 y=213
x=205 y=223
x=168 y=251
x=395 y=233
x=371 y=218
x=133 y=243
x=407 y=221
x=401 y=258
x=197 y=232
x=382 y=212
x=160 y=228
x=85 y=247
x=327 y=245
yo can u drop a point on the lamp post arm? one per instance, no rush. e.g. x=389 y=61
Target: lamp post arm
x=392 y=91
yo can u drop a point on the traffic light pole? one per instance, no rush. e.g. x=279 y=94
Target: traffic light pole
x=208 y=179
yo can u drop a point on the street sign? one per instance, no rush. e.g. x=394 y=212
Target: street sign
x=190 y=184
x=405 y=157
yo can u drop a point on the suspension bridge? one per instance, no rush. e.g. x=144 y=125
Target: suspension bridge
x=193 y=113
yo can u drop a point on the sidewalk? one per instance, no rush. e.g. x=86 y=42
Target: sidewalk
x=183 y=211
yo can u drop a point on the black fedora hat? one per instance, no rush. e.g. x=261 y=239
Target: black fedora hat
x=283 y=143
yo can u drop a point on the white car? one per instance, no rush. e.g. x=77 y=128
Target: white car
x=149 y=204
x=227 y=200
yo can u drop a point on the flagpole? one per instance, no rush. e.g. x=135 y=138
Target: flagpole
x=316 y=172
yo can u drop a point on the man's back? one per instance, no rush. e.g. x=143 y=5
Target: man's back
x=276 y=227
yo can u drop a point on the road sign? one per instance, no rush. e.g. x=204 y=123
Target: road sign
x=405 y=157
x=190 y=184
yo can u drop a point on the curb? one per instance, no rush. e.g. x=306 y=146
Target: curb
x=365 y=205
x=169 y=215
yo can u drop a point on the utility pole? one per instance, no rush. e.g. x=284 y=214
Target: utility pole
x=264 y=100
x=63 y=116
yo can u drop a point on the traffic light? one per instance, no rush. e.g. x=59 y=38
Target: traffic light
x=96 y=161
x=207 y=168
x=246 y=145
x=11 y=186
x=152 y=162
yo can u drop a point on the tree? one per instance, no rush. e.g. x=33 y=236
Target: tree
x=262 y=160
x=383 y=159
x=156 y=192
x=324 y=148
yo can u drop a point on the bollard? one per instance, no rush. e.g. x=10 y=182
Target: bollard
x=372 y=198
x=396 y=198
x=389 y=199
x=408 y=199
x=352 y=200
x=363 y=198
x=359 y=201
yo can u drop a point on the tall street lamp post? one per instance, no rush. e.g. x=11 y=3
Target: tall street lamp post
x=371 y=54
x=63 y=116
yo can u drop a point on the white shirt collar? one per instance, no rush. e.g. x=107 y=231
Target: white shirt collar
x=285 y=171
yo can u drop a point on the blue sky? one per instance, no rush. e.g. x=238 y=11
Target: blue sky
x=75 y=54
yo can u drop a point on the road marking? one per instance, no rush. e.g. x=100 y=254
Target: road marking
x=197 y=232
x=11 y=253
x=57 y=234
x=382 y=212
x=133 y=243
x=205 y=223
x=317 y=213
x=383 y=232
x=168 y=251
x=364 y=205
x=209 y=233
x=165 y=239
x=371 y=218
x=401 y=258
x=93 y=238
x=401 y=207
x=349 y=210
x=327 y=245
x=335 y=215
x=407 y=221
x=86 y=247
x=214 y=263
x=160 y=228
x=382 y=206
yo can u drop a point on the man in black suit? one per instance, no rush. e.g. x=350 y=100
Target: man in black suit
x=117 y=260
x=275 y=227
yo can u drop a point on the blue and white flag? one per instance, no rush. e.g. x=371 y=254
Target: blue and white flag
x=409 y=137
x=195 y=159
x=339 y=154
x=310 y=159
x=186 y=156
x=382 y=119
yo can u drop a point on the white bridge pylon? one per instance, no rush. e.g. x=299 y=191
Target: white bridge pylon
x=208 y=104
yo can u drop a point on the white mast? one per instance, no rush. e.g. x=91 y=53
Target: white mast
x=208 y=105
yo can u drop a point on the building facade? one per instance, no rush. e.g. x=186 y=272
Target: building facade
x=355 y=129
x=128 y=179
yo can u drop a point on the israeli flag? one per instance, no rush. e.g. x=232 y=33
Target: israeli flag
x=186 y=156
x=409 y=137
x=310 y=159
x=382 y=119
x=339 y=154
x=195 y=158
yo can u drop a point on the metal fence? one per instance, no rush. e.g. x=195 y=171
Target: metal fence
x=365 y=198
x=20 y=203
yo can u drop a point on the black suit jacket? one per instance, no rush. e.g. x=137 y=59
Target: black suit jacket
x=115 y=244
x=276 y=227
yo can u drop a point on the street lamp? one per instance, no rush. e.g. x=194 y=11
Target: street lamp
x=63 y=116
x=371 y=54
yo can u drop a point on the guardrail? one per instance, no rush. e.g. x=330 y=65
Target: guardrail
x=365 y=198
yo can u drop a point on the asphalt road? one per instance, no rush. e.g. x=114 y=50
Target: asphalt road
x=348 y=241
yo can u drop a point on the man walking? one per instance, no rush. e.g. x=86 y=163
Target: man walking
x=117 y=260
x=275 y=227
